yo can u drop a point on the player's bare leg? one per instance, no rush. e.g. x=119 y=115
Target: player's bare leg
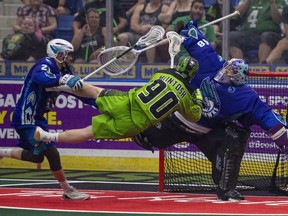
x=68 y=136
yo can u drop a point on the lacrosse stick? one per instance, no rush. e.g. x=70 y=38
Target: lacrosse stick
x=175 y=41
x=155 y=35
x=124 y=64
x=144 y=41
x=162 y=42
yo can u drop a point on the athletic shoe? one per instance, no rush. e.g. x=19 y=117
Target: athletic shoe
x=230 y=195
x=41 y=135
x=73 y=194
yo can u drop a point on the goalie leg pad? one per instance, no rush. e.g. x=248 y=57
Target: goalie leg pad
x=168 y=132
x=226 y=164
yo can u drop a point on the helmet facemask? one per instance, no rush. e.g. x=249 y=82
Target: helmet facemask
x=234 y=72
x=188 y=67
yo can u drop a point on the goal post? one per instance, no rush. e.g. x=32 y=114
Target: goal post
x=183 y=167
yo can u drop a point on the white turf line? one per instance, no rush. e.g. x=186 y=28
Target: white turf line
x=45 y=182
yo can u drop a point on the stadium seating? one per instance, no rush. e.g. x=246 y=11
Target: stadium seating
x=64 y=29
x=209 y=2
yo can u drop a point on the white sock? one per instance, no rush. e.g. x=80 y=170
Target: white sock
x=65 y=185
x=49 y=136
x=5 y=153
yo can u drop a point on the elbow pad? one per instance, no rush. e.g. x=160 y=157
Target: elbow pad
x=279 y=134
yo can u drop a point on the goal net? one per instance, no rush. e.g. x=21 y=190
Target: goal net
x=184 y=168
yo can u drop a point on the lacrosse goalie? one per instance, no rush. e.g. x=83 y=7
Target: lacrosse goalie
x=226 y=98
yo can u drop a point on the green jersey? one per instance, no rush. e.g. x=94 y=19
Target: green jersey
x=128 y=114
x=258 y=17
x=165 y=93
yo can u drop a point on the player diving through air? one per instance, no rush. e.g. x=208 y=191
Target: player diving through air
x=226 y=99
x=126 y=114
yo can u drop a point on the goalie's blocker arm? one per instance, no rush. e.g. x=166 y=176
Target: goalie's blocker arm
x=279 y=134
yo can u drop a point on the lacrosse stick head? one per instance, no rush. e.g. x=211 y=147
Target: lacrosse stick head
x=175 y=41
x=120 y=65
x=188 y=67
x=155 y=34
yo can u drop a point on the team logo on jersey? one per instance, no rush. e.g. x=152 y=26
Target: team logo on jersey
x=231 y=89
x=193 y=32
x=210 y=99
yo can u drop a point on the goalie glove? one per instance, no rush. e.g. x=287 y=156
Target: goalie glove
x=197 y=97
x=74 y=82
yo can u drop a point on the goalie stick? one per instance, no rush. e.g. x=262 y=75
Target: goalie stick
x=274 y=188
x=154 y=35
x=125 y=65
x=154 y=44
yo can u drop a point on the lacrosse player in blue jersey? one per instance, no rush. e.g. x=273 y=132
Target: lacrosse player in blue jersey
x=226 y=98
x=35 y=102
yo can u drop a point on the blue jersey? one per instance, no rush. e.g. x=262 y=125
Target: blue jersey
x=223 y=103
x=34 y=100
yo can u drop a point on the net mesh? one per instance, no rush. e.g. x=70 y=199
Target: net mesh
x=187 y=169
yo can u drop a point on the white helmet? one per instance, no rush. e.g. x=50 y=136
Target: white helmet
x=240 y=68
x=59 y=45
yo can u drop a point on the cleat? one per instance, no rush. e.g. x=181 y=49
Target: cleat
x=73 y=194
x=41 y=135
x=229 y=195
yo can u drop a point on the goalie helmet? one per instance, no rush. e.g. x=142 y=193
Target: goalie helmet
x=234 y=72
x=188 y=67
x=56 y=46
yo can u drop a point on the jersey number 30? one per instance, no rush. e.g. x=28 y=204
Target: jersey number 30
x=166 y=100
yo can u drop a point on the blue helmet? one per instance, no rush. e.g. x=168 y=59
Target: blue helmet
x=240 y=69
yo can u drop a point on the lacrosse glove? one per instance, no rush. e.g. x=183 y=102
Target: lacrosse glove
x=197 y=97
x=74 y=82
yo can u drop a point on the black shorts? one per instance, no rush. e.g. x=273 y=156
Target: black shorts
x=247 y=40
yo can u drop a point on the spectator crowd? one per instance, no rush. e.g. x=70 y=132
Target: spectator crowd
x=258 y=35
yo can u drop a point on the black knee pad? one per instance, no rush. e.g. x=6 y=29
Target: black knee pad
x=53 y=158
x=28 y=156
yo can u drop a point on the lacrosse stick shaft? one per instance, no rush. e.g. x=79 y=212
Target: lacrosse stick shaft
x=220 y=19
x=165 y=41
x=172 y=63
x=104 y=65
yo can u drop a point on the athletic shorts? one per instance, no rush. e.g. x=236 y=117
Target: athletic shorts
x=27 y=141
x=116 y=121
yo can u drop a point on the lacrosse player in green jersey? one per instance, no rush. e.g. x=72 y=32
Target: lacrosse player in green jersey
x=126 y=114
